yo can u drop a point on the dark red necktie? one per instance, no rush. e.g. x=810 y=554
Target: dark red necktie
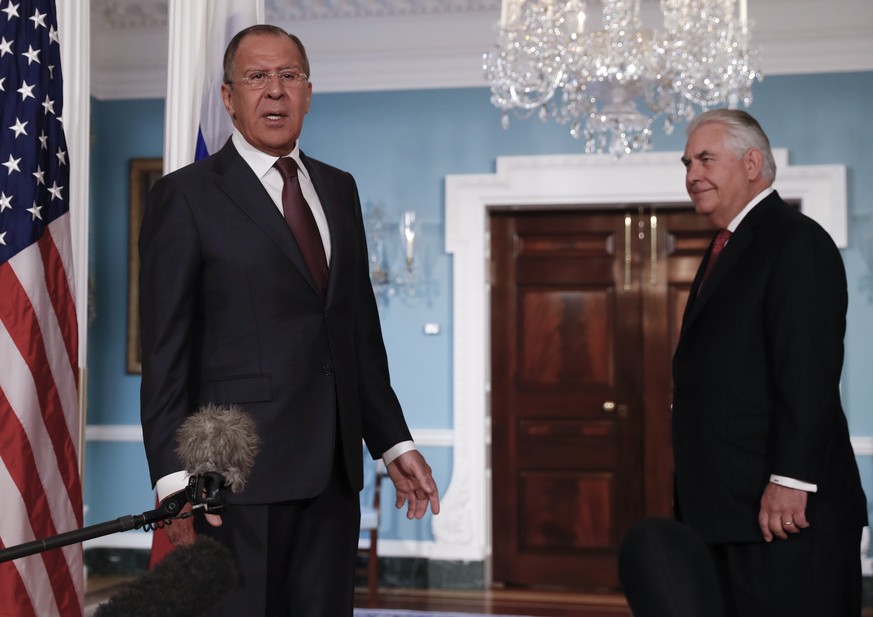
x=302 y=223
x=717 y=245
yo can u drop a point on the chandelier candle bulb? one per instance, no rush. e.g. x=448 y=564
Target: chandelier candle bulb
x=408 y=228
x=580 y=22
x=506 y=13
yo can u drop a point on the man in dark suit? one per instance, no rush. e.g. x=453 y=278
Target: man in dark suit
x=765 y=471
x=235 y=311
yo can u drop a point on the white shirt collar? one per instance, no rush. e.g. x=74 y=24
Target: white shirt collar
x=732 y=226
x=261 y=162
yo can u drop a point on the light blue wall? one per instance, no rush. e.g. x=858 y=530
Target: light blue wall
x=400 y=146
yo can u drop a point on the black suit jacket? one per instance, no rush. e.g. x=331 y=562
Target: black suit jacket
x=231 y=315
x=756 y=380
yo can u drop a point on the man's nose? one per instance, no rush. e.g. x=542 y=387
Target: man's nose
x=274 y=85
x=692 y=173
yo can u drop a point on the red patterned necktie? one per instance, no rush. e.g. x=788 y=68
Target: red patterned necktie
x=717 y=245
x=302 y=223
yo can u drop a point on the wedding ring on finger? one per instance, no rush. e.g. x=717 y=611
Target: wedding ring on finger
x=787 y=523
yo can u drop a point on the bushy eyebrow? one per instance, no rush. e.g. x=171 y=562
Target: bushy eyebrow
x=703 y=153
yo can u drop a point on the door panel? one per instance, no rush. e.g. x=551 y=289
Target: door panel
x=586 y=308
x=566 y=467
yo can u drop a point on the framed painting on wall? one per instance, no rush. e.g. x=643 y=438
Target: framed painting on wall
x=143 y=174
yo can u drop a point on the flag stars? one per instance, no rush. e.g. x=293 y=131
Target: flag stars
x=39 y=174
x=5 y=46
x=35 y=212
x=11 y=10
x=55 y=190
x=53 y=35
x=12 y=165
x=32 y=55
x=5 y=202
x=3 y=238
x=43 y=140
x=38 y=19
x=18 y=128
x=26 y=91
x=62 y=157
x=48 y=105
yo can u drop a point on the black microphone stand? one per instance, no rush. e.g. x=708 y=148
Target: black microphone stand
x=206 y=490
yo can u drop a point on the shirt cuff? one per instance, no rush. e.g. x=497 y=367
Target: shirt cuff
x=172 y=483
x=393 y=452
x=792 y=483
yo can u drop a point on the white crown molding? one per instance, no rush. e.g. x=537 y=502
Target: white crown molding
x=367 y=45
x=127 y=14
x=284 y=11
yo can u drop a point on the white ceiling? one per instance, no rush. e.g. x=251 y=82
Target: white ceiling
x=357 y=45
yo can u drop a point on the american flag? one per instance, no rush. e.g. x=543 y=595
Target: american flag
x=39 y=415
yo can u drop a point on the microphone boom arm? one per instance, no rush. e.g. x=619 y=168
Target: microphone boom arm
x=205 y=490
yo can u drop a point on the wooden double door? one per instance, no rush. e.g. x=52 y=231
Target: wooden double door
x=586 y=308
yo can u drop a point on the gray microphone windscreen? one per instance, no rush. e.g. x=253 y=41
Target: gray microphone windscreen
x=220 y=439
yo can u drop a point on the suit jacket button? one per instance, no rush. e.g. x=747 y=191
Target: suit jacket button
x=327 y=370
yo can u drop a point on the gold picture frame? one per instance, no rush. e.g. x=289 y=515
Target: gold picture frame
x=143 y=174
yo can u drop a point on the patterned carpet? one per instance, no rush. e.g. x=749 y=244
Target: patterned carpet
x=384 y=612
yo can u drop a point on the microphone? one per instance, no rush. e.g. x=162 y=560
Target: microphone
x=187 y=582
x=665 y=569
x=217 y=446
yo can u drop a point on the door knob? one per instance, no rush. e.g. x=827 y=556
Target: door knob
x=611 y=407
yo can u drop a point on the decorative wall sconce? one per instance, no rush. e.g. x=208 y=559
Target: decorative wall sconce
x=392 y=245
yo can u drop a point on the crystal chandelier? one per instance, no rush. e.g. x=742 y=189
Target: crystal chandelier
x=549 y=58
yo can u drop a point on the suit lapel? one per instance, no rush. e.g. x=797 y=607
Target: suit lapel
x=238 y=181
x=730 y=255
x=733 y=251
x=332 y=212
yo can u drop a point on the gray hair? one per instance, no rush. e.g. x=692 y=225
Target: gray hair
x=742 y=134
x=230 y=52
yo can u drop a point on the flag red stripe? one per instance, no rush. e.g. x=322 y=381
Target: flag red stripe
x=18 y=316
x=13 y=592
x=18 y=457
x=19 y=460
x=62 y=297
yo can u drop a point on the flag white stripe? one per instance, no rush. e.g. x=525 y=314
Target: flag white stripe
x=62 y=237
x=32 y=570
x=30 y=270
x=16 y=381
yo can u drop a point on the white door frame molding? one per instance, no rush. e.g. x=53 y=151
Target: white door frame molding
x=463 y=528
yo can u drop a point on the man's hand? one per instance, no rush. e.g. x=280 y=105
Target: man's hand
x=414 y=483
x=783 y=511
x=181 y=531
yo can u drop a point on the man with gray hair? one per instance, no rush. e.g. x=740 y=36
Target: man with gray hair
x=765 y=471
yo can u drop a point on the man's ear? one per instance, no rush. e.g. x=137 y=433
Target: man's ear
x=754 y=161
x=228 y=103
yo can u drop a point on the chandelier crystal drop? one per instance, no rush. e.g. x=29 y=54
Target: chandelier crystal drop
x=551 y=59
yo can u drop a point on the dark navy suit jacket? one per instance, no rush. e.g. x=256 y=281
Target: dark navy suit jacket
x=756 y=380
x=231 y=315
